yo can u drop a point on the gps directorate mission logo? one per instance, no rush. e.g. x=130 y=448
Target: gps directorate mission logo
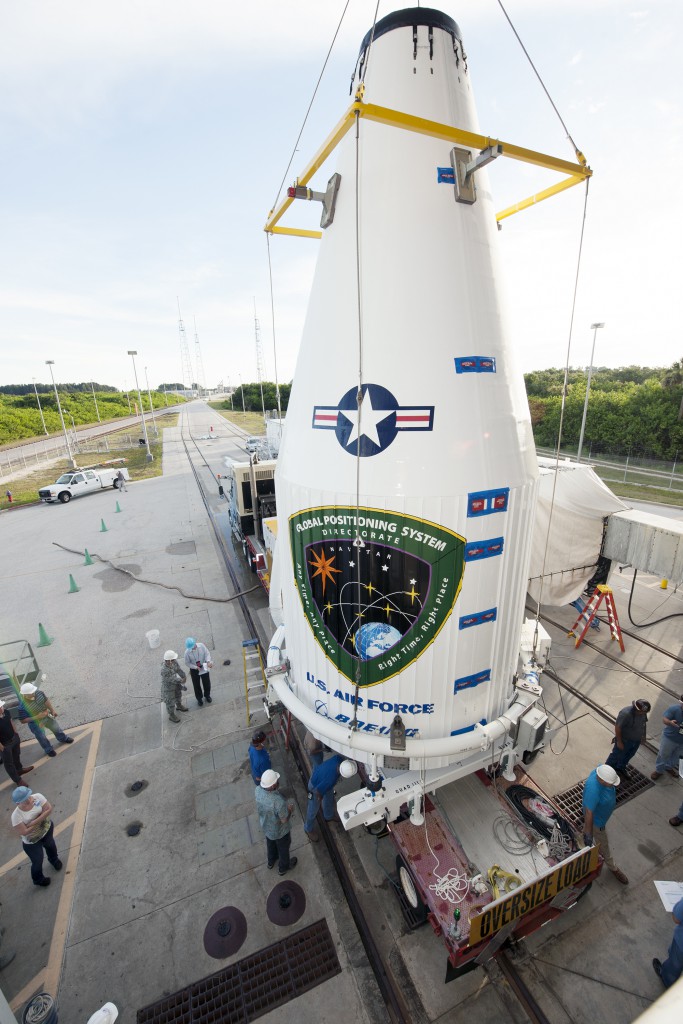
x=376 y=587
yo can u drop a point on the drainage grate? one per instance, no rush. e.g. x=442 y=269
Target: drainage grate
x=633 y=783
x=253 y=986
x=412 y=917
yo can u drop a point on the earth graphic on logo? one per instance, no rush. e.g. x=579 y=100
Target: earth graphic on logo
x=374 y=639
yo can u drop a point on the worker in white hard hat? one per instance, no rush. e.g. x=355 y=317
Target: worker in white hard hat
x=599 y=800
x=172 y=680
x=106 y=1014
x=37 y=712
x=321 y=791
x=274 y=814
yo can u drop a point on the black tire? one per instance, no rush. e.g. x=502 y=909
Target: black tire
x=409 y=890
x=115 y=484
x=529 y=756
x=64 y=497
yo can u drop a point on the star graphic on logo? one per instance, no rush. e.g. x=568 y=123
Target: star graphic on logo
x=365 y=420
x=323 y=567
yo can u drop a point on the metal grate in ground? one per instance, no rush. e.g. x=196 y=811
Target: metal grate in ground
x=633 y=783
x=253 y=986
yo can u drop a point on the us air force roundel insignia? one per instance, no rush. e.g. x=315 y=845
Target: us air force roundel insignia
x=371 y=429
x=376 y=587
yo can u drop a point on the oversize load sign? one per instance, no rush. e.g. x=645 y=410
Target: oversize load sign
x=528 y=897
x=376 y=587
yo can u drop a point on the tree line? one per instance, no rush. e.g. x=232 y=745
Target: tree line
x=20 y=417
x=252 y=397
x=636 y=407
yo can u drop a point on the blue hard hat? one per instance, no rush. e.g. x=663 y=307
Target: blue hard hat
x=20 y=794
x=190 y=643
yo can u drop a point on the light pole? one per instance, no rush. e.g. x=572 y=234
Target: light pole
x=244 y=411
x=51 y=363
x=132 y=352
x=149 y=393
x=40 y=409
x=92 y=385
x=232 y=407
x=594 y=328
x=165 y=395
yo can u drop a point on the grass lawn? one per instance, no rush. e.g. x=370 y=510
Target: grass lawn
x=644 y=493
x=251 y=422
x=25 y=488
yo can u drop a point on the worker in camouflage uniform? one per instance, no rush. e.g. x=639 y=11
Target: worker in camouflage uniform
x=172 y=685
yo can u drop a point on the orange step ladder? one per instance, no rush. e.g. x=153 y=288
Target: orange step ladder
x=600 y=594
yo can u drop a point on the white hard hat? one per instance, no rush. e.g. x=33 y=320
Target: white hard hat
x=28 y=688
x=170 y=656
x=347 y=769
x=107 y=1014
x=269 y=778
x=607 y=774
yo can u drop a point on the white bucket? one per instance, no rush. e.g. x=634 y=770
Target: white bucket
x=152 y=638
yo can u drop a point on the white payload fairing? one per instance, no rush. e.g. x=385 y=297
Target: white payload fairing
x=407 y=475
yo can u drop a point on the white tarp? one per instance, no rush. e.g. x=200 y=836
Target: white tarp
x=575 y=501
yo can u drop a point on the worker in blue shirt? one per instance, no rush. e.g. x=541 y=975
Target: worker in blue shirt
x=672 y=968
x=259 y=758
x=321 y=790
x=599 y=800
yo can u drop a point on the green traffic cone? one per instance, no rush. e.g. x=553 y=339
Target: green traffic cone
x=73 y=589
x=44 y=639
x=118 y=507
x=88 y=559
x=103 y=528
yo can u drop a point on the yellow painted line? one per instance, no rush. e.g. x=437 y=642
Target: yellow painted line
x=34 y=986
x=19 y=859
x=81 y=730
x=49 y=978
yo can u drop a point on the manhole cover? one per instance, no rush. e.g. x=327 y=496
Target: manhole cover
x=136 y=787
x=286 y=903
x=255 y=985
x=225 y=932
x=633 y=783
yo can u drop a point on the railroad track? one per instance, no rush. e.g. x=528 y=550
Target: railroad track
x=400 y=998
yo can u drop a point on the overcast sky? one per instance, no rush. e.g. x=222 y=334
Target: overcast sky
x=144 y=143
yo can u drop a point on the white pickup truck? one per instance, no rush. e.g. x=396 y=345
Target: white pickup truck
x=81 y=481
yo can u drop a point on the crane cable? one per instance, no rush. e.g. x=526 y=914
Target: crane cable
x=579 y=155
x=582 y=160
x=358 y=542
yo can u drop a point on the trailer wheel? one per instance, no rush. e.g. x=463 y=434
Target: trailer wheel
x=115 y=483
x=409 y=890
x=64 y=497
x=529 y=756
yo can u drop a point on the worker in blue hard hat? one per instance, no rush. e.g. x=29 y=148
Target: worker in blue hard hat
x=31 y=819
x=198 y=660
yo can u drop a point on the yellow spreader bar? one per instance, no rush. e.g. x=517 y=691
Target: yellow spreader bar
x=577 y=172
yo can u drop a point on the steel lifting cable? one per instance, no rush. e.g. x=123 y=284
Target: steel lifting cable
x=562 y=411
x=277 y=197
x=579 y=155
x=315 y=91
x=582 y=160
x=272 y=320
x=359 y=394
